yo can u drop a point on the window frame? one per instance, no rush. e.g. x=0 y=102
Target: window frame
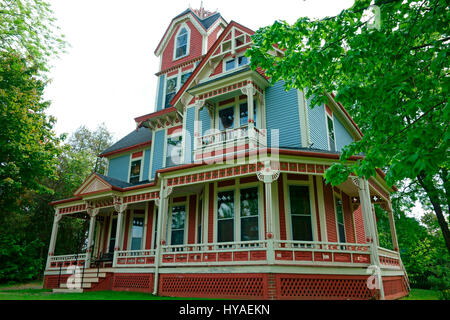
x=336 y=197
x=307 y=183
x=141 y=158
x=330 y=117
x=237 y=236
x=175 y=42
x=236 y=64
x=130 y=230
x=165 y=88
x=237 y=119
x=169 y=221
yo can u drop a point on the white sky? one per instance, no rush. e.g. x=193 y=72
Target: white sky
x=108 y=73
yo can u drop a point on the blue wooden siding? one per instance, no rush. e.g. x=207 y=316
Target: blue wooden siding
x=146 y=166
x=159 y=103
x=189 y=143
x=282 y=114
x=317 y=126
x=343 y=137
x=118 y=167
x=158 y=152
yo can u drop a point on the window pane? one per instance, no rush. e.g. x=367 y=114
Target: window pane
x=331 y=133
x=230 y=64
x=243 y=113
x=341 y=232
x=135 y=171
x=249 y=202
x=225 y=204
x=174 y=151
x=299 y=200
x=178 y=219
x=249 y=229
x=137 y=232
x=181 y=46
x=226 y=118
x=112 y=239
x=225 y=230
x=243 y=60
x=301 y=228
x=339 y=210
x=171 y=88
x=184 y=77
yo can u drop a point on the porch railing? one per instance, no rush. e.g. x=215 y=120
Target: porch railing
x=135 y=258
x=389 y=258
x=66 y=261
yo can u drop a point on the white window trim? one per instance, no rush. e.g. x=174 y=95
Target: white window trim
x=237 y=209
x=188 y=42
x=334 y=129
x=177 y=133
x=135 y=159
x=338 y=196
x=130 y=229
x=165 y=88
x=186 y=220
x=310 y=185
x=237 y=66
x=236 y=104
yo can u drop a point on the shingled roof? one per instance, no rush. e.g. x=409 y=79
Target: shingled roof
x=136 y=138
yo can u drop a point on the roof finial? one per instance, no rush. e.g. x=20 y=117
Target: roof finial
x=202 y=15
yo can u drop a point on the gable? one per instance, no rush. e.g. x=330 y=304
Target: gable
x=93 y=184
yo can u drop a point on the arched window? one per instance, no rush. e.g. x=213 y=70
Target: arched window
x=181 y=43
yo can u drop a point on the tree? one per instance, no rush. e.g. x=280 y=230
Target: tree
x=28 y=27
x=392 y=78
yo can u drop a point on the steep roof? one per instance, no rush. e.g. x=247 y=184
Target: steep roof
x=136 y=138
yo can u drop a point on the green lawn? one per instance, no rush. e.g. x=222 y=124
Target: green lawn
x=422 y=294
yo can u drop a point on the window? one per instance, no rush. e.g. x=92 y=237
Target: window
x=243 y=113
x=225 y=217
x=340 y=219
x=300 y=213
x=178 y=221
x=174 y=150
x=181 y=47
x=137 y=232
x=331 y=139
x=235 y=116
x=184 y=78
x=135 y=171
x=236 y=62
x=226 y=118
x=112 y=238
x=171 y=90
x=249 y=214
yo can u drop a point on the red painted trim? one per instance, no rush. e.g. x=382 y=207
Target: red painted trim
x=140 y=145
x=173 y=129
x=297 y=177
x=211 y=213
x=137 y=154
x=192 y=214
x=225 y=183
x=150 y=214
x=127 y=227
x=65 y=200
x=316 y=203
x=282 y=212
x=248 y=179
x=179 y=199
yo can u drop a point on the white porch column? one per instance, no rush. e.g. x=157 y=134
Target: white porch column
x=92 y=212
x=268 y=175
x=250 y=91
x=120 y=209
x=52 y=244
x=369 y=227
x=163 y=204
x=392 y=225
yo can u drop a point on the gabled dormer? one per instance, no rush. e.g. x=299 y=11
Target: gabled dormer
x=186 y=40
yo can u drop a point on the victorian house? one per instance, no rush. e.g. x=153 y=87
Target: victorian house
x=220 y=192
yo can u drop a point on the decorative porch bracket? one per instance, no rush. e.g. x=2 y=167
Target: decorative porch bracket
x=120 y=208
x=268 y=175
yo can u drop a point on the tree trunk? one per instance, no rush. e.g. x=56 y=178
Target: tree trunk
x=427 y=184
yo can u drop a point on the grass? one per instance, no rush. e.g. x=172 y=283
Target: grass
x=422 y=294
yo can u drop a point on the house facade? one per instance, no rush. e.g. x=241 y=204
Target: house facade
x=220 y=192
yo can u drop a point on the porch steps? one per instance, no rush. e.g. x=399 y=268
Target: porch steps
x=90 y=277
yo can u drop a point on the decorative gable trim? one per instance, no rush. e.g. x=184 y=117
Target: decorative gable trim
x=93 y=184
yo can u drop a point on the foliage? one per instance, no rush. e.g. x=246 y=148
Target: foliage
x=28 y=27
x=392 y=79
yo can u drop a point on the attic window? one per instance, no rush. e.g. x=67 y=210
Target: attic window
x=181 y=43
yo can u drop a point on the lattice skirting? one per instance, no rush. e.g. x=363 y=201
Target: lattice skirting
x=394 y=287
x=140 y=282
x=51 y=282
x=228 y=285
